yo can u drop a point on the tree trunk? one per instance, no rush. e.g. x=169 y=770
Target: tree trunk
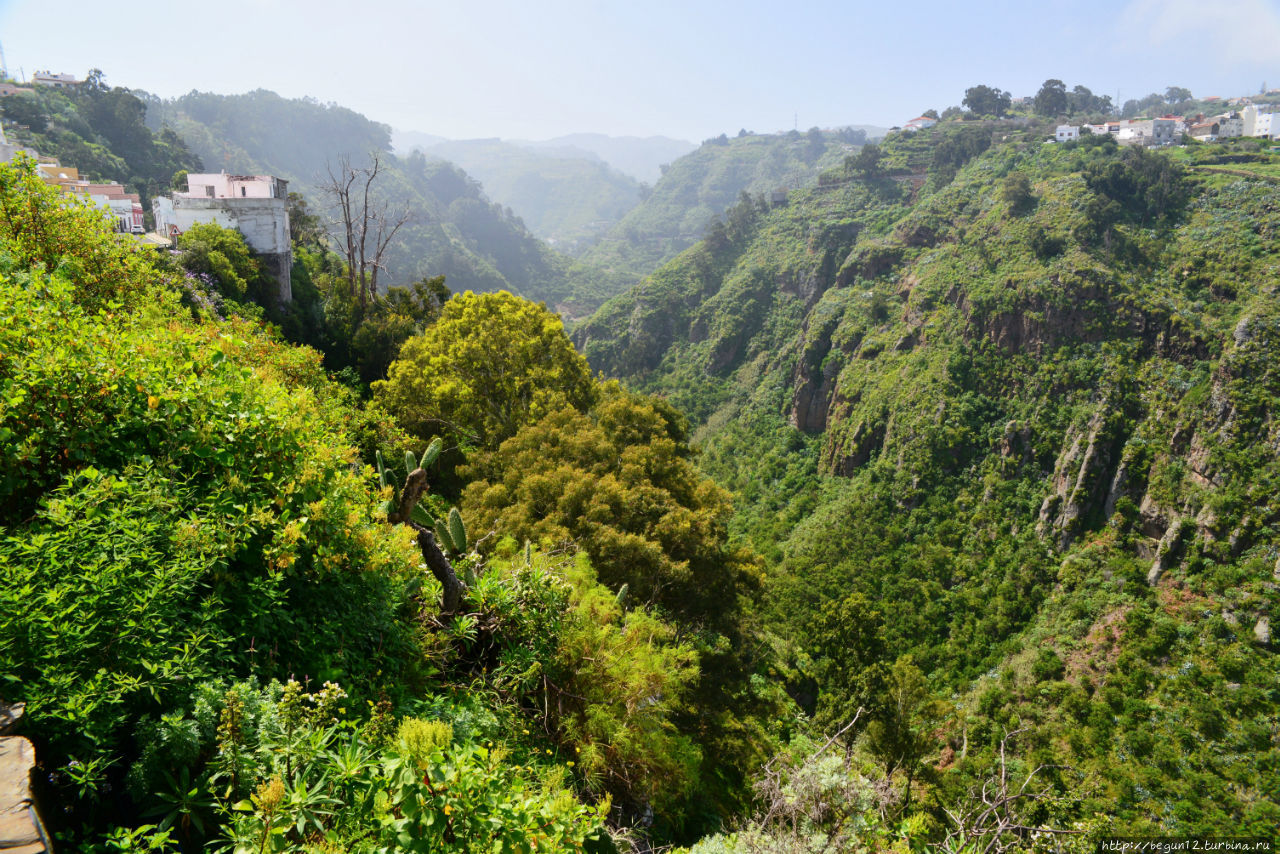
x=415 y=484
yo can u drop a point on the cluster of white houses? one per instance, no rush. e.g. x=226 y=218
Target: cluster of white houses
x=1251 y=121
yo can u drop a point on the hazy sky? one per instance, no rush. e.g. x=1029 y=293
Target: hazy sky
x=471 y=68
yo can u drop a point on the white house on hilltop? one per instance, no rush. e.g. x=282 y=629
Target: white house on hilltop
x=920 y=123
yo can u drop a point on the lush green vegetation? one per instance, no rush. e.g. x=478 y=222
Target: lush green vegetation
x=984 y=409
x=221 y=638
x=950 y=477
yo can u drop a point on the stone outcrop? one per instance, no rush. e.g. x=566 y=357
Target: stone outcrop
x=1085 y=476
x=21 y=831
x=1169 y=551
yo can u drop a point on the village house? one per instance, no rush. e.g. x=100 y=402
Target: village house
x=1148 y=132
x=1204 y=131
x=920 y=123
x=124 y=208
x=9 y=89
x=1066 y=133
x=57 y=81
x=1229 y=125
x=254 y=205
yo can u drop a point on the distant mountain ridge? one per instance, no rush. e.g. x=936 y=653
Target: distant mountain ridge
x=639 y=157
x=567 y=197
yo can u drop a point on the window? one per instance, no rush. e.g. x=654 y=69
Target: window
x=208 y=191
x=243 y=192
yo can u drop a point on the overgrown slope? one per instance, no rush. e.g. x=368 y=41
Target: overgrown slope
x=703 y=184
x=1015 y=407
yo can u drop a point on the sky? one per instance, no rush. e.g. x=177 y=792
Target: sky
x=690 y=70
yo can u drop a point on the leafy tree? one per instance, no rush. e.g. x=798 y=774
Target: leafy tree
x=866 y=162
x=305 y=228
x=1149 y=187
x=1176 y=96
x=1016 y=191
x=389 y=321
x=849 y=647
x=491 y=364
x=1082 y=100
x=1051 y=100
x=222 y=259
x=902 y=729
x=987 y=101
x=618 y=482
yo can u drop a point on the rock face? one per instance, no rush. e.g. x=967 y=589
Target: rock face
x=1087 y=474
x=1168 y=552
x=20 y=829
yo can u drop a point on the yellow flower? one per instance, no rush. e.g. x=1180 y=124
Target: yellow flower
x=152 y=401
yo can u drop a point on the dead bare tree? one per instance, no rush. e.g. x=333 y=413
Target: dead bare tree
x=991 y=820
x=367 y=225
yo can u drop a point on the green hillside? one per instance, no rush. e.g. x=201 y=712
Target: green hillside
x=703 y=184
x=1005 y=412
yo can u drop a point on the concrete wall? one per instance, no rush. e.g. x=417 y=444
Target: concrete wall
x=264 y=222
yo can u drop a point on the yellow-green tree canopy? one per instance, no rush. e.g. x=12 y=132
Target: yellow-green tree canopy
x=618 y=482
x=490 y=365
x=43 y=229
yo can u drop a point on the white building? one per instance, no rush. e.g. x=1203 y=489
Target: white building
x=57 y=81
x=1257 y=123
x=254 y=205
x=920 y=123
x=1066 y=133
